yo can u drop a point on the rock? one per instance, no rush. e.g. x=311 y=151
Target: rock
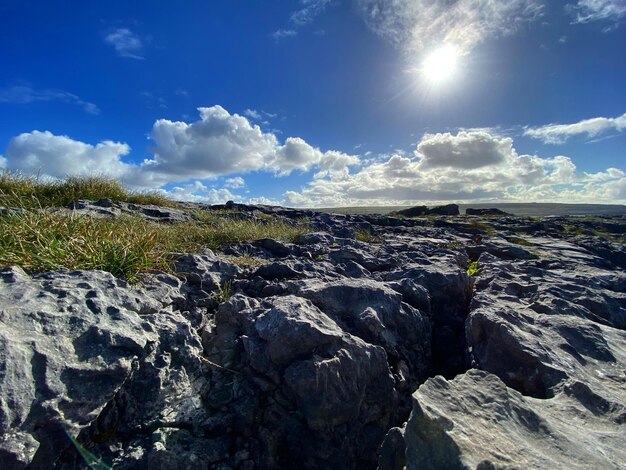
x=316 y=238
x=413 y=211
x=491 y=212
x=375 y=313
x=68 y=344
x=108 y=208
x=273 y=247
x=205 y=270
x=311 y=356
x=449 y=209
x=475 y=421
x=278 y=271
x=291 y=356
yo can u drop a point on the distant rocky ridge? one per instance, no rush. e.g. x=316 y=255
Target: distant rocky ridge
x=327 y=353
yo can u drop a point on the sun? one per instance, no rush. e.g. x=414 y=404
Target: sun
x=440 y=65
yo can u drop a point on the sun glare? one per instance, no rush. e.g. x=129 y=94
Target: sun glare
x=441 y=63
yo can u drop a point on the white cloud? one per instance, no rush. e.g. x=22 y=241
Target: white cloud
x=221 y=143
x=263 y=200
x=126 y=43
x=283 y=34
x=253 y=114
x=198 y=192
x=58 y=156
x=586 y=11
x=465 y=150
x=415 y=24
x=463 y=167
x=21 y=94
x=236 y=182
x=335 y=165
x=559 y=133
x=309 y=11
x=296 y=154
x=218 y=144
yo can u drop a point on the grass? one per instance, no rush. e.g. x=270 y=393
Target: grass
x=519 y=241
x=30 y=192
x=366 y=236
x=224 y=293
x=40 y=240
x=246 y=261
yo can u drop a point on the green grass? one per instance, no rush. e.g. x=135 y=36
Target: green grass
x=519 y=241
x=366 y=236
x=30 y=192
x=126 y=246
x=40 y=240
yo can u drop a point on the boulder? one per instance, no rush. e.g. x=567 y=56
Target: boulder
x=491 y=212
x=476 y=421
x=413 y=211
x=278 y=378
x=448 y=209
x=376 y=313
x=69 y=343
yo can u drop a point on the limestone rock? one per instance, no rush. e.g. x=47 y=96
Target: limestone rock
x=476 y=422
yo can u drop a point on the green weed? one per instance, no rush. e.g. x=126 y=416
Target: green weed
x=472 y=267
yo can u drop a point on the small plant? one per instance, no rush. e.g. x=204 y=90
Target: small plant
x=366 y=236
x=472 y=267
x=224 y=292
x=91 y=460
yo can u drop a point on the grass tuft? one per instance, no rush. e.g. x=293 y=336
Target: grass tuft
x=18 y=190
x=366 y=236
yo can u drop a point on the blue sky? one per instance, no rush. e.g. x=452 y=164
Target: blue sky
x=321 y=102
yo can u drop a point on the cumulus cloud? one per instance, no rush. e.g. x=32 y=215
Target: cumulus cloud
x=221 y=143
x=58 y=156
x=465 y=150
x=468 y=166
x=126 y=43
x=336 y=165
x=21 y=94
x=585 y=11
x=415 y=24
x=217 y=144
x=296 y=154
x=560 y=133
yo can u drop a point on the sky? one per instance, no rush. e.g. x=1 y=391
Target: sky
x=321 y=103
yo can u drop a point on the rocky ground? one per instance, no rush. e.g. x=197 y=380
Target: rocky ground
x=432 y=342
